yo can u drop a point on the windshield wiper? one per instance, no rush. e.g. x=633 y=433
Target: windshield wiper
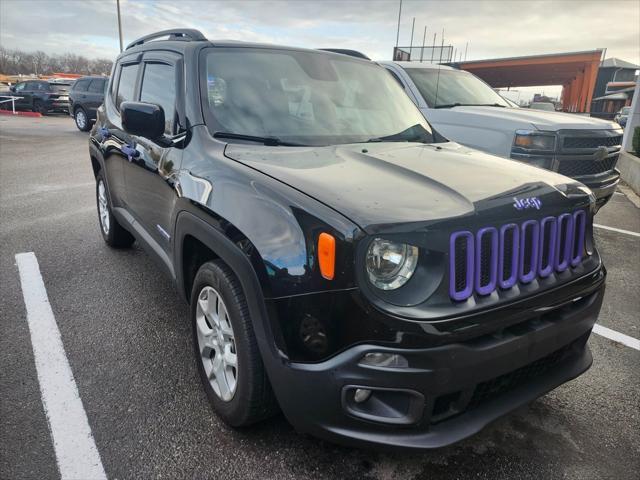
x=269 y=141
x=415 y=133
x=451 y=105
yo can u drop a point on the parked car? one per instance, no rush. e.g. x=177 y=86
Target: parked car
x=622 y=115
x=465 y=109
x=546 y=106
x=41 y=96
x=342 y=261
x=86 y=95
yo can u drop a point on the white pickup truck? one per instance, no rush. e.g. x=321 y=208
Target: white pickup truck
x=466 y=110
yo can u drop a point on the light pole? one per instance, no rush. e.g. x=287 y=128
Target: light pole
x=119 y=24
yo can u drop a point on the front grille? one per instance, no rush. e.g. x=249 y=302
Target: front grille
x=575 y=168
x=592 y=142
x=495 y=387
x=501 y=257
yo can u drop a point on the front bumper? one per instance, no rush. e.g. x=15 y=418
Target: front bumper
x=603 y=186
x=447 y=392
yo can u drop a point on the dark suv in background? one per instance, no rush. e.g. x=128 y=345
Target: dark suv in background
x=86 y=95
x=379 y=284
x=42 y=96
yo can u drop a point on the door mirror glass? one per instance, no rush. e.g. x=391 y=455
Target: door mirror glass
x=142 y=119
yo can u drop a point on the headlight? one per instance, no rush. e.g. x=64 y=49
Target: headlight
x=390 y=264
x=534 y=140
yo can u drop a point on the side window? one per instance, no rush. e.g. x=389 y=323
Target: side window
x=81 y=85
x=96 y=85
x=126 y=84
x=159 y=87
x=20 y=87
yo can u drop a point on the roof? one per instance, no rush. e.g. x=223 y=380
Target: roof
x=617 y=63
x=533 y=70
x=433 y=66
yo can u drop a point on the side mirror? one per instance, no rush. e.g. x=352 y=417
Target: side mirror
x=142 y=119
x=12 y=88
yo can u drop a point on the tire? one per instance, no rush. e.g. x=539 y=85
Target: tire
x=250 y=399
x=82 y=120
x=38 y=106
x=113 y=233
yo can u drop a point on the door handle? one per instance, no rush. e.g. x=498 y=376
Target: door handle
x=130 y=152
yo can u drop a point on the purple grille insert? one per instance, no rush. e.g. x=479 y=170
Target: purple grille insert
x=529 y=238
x=486 y=262
x=508 y=258
x=563 y=242
x=499 y=257
x=547 y=246
x=579 y=227
x=456 y=291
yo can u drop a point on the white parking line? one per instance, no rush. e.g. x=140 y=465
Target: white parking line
x=617 y=336
x=619 y=230
x=75 y=449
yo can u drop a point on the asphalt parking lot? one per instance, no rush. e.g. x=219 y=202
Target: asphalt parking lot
x=128 y=342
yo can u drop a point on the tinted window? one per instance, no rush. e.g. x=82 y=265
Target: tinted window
x=97 y=85
x=20 y=87
x=158 y=86
x=126 y=84
x=444 y=88
x=81 y=85
x=58 y=87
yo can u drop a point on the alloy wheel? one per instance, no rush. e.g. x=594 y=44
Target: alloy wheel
x=216 y=343
x=81 y=119
x=103 y=208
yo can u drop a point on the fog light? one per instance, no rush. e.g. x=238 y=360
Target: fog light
x=379 y=359
x=361 y=395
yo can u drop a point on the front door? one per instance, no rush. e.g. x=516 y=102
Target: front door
x=150 y=175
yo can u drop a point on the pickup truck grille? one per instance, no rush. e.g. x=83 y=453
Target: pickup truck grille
x=587 y=152
x=575 y=168
x=500 y=257
x=592 y=142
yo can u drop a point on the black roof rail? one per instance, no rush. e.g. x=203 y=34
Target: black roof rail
x=344 y=51
x=188 y=34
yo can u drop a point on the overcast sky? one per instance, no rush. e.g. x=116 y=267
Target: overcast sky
x=492 y=28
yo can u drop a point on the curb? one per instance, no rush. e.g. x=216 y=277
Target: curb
x=20 y=114
x=629 y=166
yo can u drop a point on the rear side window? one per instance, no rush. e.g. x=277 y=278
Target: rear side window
x=81 y=85
x=126 y=84
x=159 y=87
x=97 y=85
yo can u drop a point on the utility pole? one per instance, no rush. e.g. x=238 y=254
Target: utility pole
x=465 y=51
x=119 y=24
x=397 y=34
x=424 y=39
x=433 y=46
x=413 y=24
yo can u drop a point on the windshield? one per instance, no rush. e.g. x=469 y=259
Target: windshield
x=445 y=88
x=306 y=98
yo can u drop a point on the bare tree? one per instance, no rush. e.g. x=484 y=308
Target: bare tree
x=13 y=62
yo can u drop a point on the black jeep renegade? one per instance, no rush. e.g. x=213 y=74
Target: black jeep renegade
x=343 y=261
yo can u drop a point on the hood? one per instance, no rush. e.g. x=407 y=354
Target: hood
x=382 y=186
x=522 y=118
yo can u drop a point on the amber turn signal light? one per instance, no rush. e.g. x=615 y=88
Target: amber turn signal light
x=327 y=255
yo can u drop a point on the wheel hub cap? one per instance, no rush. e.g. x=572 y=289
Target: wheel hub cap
x=216 y=343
